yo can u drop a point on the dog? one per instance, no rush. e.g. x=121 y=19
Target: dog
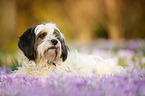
x=45 y=53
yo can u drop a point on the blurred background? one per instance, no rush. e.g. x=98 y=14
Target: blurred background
x=81 y=21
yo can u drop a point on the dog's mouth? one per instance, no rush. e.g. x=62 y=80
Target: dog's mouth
x=52 y=47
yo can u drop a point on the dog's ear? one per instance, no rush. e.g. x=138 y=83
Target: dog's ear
x=26 y=43
x=65 y=50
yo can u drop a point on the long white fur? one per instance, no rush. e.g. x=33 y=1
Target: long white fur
x=76 y=64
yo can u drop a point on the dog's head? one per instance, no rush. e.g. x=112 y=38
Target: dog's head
x=43 y=42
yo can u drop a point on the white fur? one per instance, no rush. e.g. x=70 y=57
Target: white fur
x=45 y=27
x=76 y=63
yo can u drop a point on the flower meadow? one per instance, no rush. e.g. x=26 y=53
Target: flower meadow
x=129 y=54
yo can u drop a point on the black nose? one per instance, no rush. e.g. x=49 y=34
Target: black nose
x=54 y=41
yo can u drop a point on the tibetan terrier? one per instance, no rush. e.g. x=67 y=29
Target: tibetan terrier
x=46 y=53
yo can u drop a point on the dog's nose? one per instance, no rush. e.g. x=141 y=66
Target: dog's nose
x=54 y=41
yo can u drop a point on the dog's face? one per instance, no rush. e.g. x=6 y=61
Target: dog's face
x=43 y=42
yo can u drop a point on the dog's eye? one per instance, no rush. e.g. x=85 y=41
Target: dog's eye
x=56 y=33
x=42 y=35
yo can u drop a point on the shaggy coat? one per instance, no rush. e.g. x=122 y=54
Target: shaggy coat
x=46 y=53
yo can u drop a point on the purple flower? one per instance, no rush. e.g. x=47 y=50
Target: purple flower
x=129 y=84
x=125 y=53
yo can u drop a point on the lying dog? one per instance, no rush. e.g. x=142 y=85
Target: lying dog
x=46 y=53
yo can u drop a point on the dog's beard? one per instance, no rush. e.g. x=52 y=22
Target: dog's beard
x=52 y=54
x=49 y=54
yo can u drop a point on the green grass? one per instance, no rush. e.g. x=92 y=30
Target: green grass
x=15 y=64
